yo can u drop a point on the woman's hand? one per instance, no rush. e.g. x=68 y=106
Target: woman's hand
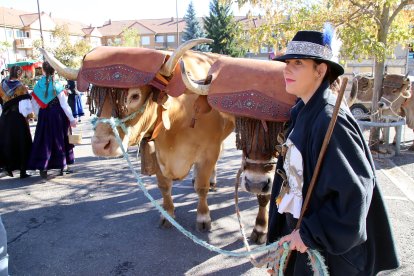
x=73 y=123
x=295 y=240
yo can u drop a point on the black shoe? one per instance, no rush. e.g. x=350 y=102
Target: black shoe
x=24 y=175
x=9 y=173
x=43 y=174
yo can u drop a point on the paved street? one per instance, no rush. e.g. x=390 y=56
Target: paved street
x=97 y=222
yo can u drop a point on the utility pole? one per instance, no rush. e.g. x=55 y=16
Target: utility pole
x=40 y=24
x=176 y=15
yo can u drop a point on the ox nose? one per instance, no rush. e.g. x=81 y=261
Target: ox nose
x=382 y=105
x=102 y=146
x=262 y=187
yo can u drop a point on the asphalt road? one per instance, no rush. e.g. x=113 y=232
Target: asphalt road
x=97 y=222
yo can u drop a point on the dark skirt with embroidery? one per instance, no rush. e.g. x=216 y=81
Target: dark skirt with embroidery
x=75 y=103
x=15 y=137
x=51 y=148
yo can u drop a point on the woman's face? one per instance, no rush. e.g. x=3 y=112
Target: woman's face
x=302 y=77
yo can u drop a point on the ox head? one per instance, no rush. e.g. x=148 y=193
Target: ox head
x=362 y=87
x=395 y=91
x=121 y=102
x=237 y=87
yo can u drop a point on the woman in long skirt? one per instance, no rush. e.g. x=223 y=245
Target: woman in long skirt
x=51 y=148
x=15 y=137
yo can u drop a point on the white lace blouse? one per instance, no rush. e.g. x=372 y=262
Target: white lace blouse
x=292 y=201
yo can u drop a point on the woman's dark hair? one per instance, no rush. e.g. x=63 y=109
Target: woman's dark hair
x=49 y=70
x=15 y=72
x=330 y=75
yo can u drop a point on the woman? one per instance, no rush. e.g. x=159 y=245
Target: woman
x=74 y=100
x=51 y=148
x=15 y=137
x=346 y=219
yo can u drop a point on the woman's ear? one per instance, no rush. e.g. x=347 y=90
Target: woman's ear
x=322 y=69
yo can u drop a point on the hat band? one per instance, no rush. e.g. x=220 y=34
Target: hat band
x=308 y=49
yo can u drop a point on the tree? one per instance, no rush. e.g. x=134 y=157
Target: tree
x=223 y=29
x=366 y=28
x=192 y=28
x=130 y=38
x=69 y=54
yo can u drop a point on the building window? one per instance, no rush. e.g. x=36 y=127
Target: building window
x=145 y=40
x=159 y=38
x=9 y=33
x=171 y=38
x=19 y=33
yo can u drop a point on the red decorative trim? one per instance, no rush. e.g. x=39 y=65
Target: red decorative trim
x=39 y=102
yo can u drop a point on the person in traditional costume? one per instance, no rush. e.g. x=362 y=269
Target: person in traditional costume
x=346 y=219
x=15 y=137
x=51 y=148
x=74 y=100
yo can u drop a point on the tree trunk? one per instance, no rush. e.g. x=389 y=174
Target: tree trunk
x=374 y=138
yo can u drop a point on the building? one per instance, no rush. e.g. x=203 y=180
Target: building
x=20 y=29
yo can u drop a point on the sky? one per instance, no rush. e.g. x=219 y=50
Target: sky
x=96 y=12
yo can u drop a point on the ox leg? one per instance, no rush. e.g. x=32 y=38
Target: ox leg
x=202 y=186
x=213 y=179
x=165 y=186
x=259 y=234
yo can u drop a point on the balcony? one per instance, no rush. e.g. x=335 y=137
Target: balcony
x=24 y=43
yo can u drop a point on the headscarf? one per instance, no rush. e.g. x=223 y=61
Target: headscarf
x=9 y=86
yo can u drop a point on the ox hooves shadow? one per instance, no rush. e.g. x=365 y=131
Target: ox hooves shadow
x=213 y=187
x=258 y=237
x=164 y=223
x=203 y=226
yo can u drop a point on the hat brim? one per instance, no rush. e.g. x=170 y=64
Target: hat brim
x=337 y=68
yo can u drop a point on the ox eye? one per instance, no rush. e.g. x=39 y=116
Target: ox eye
x=135 y=97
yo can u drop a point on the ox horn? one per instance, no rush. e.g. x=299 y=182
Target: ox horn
x=200 y=89
x=63 y=70
x=168 y=68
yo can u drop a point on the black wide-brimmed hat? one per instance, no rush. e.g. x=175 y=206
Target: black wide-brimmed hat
x=312 y=45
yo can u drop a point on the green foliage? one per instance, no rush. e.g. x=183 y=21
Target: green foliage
x=129 y=38
x=192 y=28
x=66 y=52
x=366 y=28
x=224 y=30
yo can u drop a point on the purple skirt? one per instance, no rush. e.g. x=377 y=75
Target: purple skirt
x=51 y=148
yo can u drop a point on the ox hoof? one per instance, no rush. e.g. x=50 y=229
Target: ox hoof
x=164 y=223
x=203 y=226
x=213 y=187
x=258 y=237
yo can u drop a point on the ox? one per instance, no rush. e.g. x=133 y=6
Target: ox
x=396 y=99
x=164 y=119
x=253 y=91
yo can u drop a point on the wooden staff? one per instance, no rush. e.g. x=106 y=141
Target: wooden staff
x=321 y=155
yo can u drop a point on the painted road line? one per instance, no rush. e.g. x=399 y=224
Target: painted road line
x=400 y=178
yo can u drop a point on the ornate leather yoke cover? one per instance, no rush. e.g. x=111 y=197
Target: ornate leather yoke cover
x=250 y=88
x=119 y=67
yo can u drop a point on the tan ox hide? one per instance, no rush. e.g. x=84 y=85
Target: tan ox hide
x=408 y=111
x=254 y=93
x=178 y=147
